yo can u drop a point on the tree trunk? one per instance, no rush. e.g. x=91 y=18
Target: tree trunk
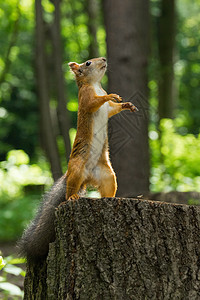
x=63 y=115
x=47 y=134
x=120 y=249
x=92 y=12
x=166 y=44
x=127 y=28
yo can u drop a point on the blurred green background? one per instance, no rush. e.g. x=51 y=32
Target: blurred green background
x=25 y=171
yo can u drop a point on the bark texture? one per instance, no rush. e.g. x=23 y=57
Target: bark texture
x=120 y=249
x=127 y=30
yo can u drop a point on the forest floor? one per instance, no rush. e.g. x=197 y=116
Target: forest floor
x=9 y=249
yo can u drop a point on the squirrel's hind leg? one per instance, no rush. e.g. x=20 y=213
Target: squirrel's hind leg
x=75 y=179
x=107 y=182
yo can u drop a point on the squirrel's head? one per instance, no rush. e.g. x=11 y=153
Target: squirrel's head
x=90 y=71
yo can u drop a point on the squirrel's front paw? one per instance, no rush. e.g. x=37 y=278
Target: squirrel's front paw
x=129 y=105
x=115 y=98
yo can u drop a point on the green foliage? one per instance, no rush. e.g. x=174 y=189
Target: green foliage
x=16 y=172
x=187 y=61
x=174 y=148
x=10 y=290
x=175 y=159
x=187 y=68
x=17 y=205
x=18 y=106
x=16 y=214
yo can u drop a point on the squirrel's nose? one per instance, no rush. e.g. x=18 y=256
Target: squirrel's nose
x=103 y=58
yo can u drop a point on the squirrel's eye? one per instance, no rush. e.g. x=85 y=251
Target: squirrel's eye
x=88 y=63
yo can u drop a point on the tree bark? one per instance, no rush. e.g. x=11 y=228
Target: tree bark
x=166 y=45
x=120 y=249
x=63 y=115
x=127 y=29
x=47 y=133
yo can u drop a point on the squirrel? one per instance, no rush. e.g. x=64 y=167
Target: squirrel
x=89 y=162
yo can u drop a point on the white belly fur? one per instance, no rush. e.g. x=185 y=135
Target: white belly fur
x=100 y=124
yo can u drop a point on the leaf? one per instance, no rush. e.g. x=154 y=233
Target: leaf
x=23 y=273
x=11 y=269
x=11 y=288
x=16 y=261
x=2 y=263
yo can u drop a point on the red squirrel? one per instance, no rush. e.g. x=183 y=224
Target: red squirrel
x=89 y=162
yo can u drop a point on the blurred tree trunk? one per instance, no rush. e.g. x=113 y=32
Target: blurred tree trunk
x=120 y=249
x=62 y=113
x=166 y=45
x=12 y=43
x=92 y=12
x=127 y=28
x=47 y=133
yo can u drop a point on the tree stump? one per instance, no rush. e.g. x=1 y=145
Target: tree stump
x=114 y=248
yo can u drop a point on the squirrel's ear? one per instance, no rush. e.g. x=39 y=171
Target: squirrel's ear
x=74 y=66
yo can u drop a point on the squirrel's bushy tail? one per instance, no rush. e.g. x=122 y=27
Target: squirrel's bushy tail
x=36 y=238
